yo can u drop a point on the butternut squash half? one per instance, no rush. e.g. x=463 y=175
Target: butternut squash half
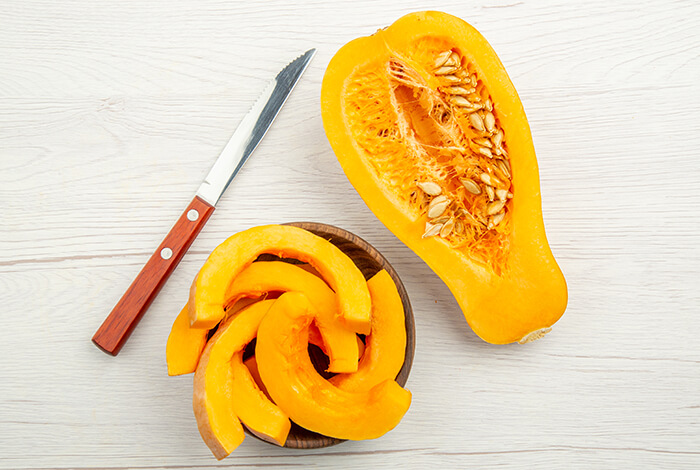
x=430 y=131
x=311 y=401
x=208 y=291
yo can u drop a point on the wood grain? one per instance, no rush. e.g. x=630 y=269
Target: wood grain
x=111 y=113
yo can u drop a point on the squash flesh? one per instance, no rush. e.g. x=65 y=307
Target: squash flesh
x=339 y=342
x=185 y=345
x=225 y=392
x=385 y=346
x=311 y=401
x=207 y=294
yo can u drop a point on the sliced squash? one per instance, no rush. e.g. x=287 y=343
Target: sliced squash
x=252 y=366
x=225 y=392
x=339 y=342
x=311 y=401
x=184 y=346
x=385 y=346
x=208 y=291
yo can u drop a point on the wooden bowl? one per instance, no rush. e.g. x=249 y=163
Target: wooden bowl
x=370 y=262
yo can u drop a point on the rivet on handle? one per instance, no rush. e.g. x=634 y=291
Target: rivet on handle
x=166 y=253
x=192 y=215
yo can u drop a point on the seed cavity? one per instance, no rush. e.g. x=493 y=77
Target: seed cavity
x=447 y=128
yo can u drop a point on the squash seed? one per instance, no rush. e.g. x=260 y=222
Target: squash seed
x=490 y=122
x=450 y=63
x=490 y=193
x=459 y=226
x=452 y=78
x=496 y=219
x=476 y=122
x=460 y=101
x=437 y=207
x=498 y=139
x=488 y=179
x=485 y=152
x=442 y=58
x=503 y=166
x=495 y=207
x=440 y=220
x=488 y=105
x=470 y=186
x=502 y=194
x=431 y=230
x=484 y=142
x=456 y=90
x=447 y=228
x=430 y=188
x=445 y=70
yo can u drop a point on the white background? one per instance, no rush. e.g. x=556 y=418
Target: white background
x=111 y=113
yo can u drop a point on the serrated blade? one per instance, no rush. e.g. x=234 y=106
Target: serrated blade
x=252 y=129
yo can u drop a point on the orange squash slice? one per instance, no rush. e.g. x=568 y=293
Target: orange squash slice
x=311 y=401
x=225 y=393
x=208 y=291
x=385 y=346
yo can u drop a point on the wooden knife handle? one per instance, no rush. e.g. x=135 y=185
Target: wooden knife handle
x=117 y=328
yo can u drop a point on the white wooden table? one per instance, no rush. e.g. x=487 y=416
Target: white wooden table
x=112 y=112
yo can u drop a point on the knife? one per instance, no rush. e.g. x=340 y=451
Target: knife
x=120 y=323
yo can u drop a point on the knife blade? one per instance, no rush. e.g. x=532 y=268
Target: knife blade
x=118 y=326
